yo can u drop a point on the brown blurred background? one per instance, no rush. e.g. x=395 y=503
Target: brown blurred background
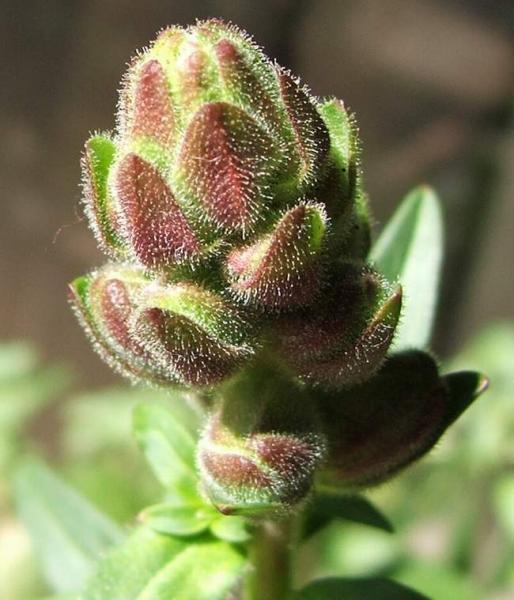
x=430 y=81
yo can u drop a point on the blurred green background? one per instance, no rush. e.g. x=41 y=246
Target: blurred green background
x=431 y=84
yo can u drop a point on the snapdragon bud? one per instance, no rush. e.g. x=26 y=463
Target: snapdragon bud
x=344 y=338
x=282 y=268
x=383 y=425
x=260 y=448
x=195 y=332
x=173 y=333
x=225 y=175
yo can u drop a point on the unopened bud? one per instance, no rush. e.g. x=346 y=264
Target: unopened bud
x=156 y=227
x=260 y=448
x=105 y=303
x=163 y=333
x=345 y=337
x=283 y=268
x=226 y=163
x=192 y=331
x=383 y=425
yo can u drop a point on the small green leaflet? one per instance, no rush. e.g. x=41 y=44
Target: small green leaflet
x=409 y=251
x=68 y=533
x=186 y=520
x=178 y=520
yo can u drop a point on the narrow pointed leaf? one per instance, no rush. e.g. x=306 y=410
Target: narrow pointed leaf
x=357 y=589
x=327 y=507
x=409 y=250
x=68 y=533
x=169 y=447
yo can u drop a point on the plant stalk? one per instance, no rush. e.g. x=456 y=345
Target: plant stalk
x=270 y=558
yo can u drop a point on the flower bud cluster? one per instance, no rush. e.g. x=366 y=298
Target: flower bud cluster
x=225 y=200
x=229 y=203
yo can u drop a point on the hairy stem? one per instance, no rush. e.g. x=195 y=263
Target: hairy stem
x=270 y=556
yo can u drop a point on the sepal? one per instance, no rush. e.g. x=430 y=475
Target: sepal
x=97 y=161
x=105 y=303
x=282 y=269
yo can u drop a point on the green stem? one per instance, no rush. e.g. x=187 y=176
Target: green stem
x=270 y=556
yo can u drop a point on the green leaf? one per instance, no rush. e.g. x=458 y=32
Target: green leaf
x=61 y=597
x=503 y=504
x=464 y=387
x=326 y=507
x=25 y=386
x=128 y=569
x=409 y=250
x=181 y=521
x=440 y=582
x=356 y=589
x=67 y=532
x=231 y=528
x=150 y=566
x=169 y=447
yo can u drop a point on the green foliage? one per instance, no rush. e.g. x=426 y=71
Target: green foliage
x=324 y=508
x=150 y=566
x=169 y=446
x=439 y=582
x=409 y=250
x=503 y=504
x=168 y=439
x=25 y=389
x=180 y=521
x=68 y=533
